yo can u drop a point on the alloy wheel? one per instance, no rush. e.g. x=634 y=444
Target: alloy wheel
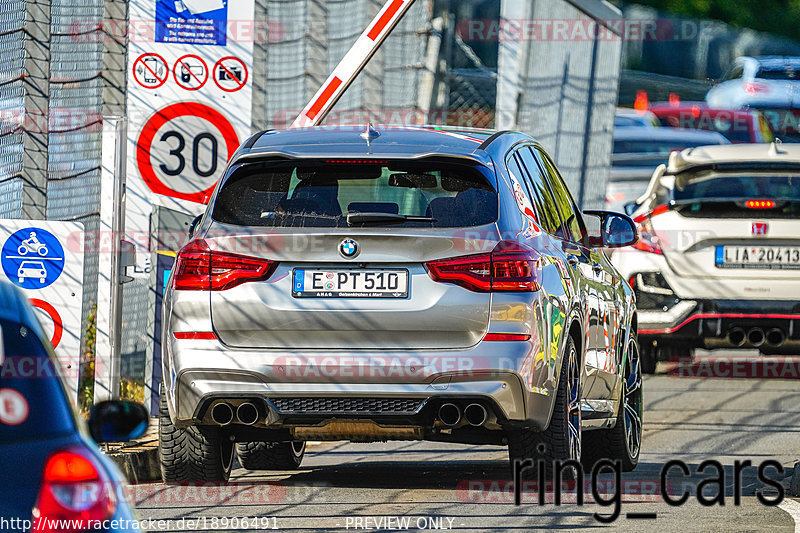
x=574 y=405
x=632 y=400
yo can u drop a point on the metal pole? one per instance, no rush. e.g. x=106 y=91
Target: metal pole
x=111 y=265
x=587 y=130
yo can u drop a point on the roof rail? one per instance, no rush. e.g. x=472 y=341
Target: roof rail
x=485 y=144
x=253 y=138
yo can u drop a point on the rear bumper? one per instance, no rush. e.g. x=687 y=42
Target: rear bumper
x=698 y=312
x=200 y=372
x=708 y=323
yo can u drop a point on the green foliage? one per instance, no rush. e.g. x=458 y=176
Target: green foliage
x=779 y=17
x=86 y=379
x=128 y=388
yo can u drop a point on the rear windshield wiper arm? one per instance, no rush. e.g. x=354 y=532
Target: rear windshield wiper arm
x=361 y=219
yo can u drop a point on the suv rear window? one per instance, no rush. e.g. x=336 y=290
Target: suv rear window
x=323 y=194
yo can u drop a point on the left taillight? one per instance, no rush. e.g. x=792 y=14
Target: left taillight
x=754 y=87
x=75 y=493
x=198 y=268
x=649 y=241
x=510 y=267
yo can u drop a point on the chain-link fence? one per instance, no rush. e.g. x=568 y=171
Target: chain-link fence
x=295 y=65
x=315 y=36
x=75 y=123
x=12 y=59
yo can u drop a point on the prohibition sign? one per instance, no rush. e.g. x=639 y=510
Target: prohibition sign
x=58 y=327
x=146 y=71
x=232 y=76
x=192 y=70
x=159 y=120
x=13 y=407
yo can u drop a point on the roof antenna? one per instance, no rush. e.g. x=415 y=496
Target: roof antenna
x=775 y=147
x=370 y=133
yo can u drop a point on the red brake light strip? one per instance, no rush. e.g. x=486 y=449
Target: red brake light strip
x=506 y=337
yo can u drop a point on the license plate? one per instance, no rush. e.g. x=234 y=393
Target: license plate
x=314 y=283
x=762 y=257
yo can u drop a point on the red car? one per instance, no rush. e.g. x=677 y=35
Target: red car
x=737 y=125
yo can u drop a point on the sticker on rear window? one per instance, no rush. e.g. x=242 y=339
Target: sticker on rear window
x=531 y=227
x=13 y=407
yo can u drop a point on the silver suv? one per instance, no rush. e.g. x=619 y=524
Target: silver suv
x=396 y=284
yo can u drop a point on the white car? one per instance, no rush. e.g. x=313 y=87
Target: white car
x=718 y=261
x=32 y=269
x=756 y=82
x=639 y=150
x=770 y=84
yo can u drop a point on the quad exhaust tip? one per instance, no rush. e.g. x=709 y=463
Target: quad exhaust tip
x=776 y=337
x=737 y=337
x=247 y=413
x=222 y=414
x=756 y=337
x=476 y=414
x=449 y=414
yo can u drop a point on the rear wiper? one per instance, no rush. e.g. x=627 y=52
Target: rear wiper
x=361 y=219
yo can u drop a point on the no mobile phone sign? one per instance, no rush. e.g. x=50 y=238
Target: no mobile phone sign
x=150 y=71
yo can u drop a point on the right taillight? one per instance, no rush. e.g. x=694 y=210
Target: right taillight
x=510 y=267
x=198 y=268
x=648 y=240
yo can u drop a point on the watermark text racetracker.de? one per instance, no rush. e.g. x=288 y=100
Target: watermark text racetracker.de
x=716 y=366
x=579 y=29
x=198 y=523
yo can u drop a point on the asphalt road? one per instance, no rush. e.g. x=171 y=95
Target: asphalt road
x=405 y=485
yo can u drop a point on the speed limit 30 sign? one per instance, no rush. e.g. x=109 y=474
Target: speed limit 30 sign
x=181 y=148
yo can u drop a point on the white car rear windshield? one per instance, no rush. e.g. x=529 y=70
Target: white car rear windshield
x=342 y=194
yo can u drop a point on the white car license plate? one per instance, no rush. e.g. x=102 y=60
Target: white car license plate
x=352 y=283
x=763 y=257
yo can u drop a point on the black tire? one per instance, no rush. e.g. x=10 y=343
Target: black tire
x=192 y=454
x=623 y=442
x=648 y=357
x=562 y=439
x=270 y=455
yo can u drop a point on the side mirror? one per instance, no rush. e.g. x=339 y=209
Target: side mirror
x=616 y=230
x=194 y=224
x=630 y=207
x=117 y=421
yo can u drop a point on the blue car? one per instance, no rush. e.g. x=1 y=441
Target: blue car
x=52 y=475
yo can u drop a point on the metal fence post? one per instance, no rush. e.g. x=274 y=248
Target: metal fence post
x=109 y=293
